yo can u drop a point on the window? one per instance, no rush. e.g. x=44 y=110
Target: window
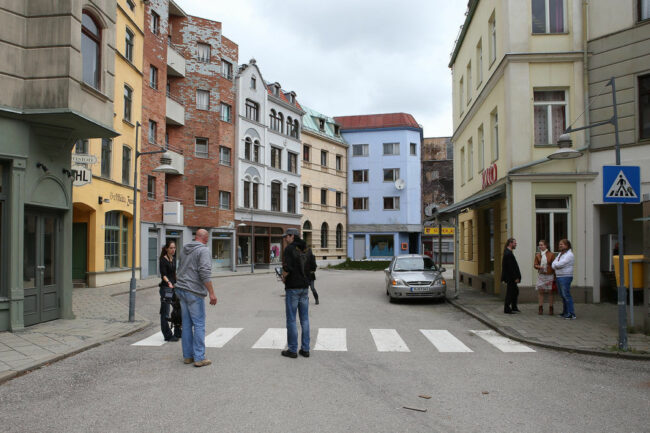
x=339 y=196
x=276 y=204
x=337 y=130
x=155 y=23
x=359 y=175
x=323 y=196
x=280 y=122
x=548 y=16
x=81 y=147
x=382 y=245
x=202 y=99
x=461 y=97
x=550 y=115
x=201 y=147
x=360 y=203
x=224 y=200
x=247 y=194
x=481 y=149
x=128 y=45
x=116 y=239
x=253 y=83
x=292 y=162
x=153 y=131
x=273 y=121
x=130 y=4
x=151 y=187
x=291 y=199
x=292 y=127
x=153 y=77
x=256 y=151
x=255 y=195
x=90 y=50
x=321 y=125
x=644 y=103
x=126 y=165
x=552 y=220
x=339 y=236
x=469 y=240
x=414 y=149
x=306 y=193
x=462 y=165
x=479 y=63
x=469 y=82
x=470 y=159
x=494 y=139
x=247 y=149
x=644 y=9
x=107 y=150
x=201 y=195
x=252 y=110
x=226 y=69
x=305 y=152
x=492 y=29
x=323 y=158
x=128 y=99
x=391 y=174
x=391 y=203
x=203 y=53
x=276 y=158
x=224 y=155
x=226 y=112
x=359 y=150
x=339 y=162
x=391 y=148
x=324 y=228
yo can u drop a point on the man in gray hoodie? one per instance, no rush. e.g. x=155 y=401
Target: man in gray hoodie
x=192 y=286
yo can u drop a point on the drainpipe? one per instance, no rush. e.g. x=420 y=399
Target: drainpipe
x=585 y=92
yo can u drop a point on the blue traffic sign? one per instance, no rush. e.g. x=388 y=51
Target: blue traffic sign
x=621 y=184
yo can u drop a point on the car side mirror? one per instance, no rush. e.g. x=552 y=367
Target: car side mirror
x=386 y=270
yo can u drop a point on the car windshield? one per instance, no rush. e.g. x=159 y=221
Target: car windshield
x=414 y=264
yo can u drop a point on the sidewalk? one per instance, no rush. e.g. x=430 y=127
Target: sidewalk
x=595 y=331
x=98 y=319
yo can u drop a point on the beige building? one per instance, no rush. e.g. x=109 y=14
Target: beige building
x=324 y=187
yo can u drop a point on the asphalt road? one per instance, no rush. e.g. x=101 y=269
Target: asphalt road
x=118 y=387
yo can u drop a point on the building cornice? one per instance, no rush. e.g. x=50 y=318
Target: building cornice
x=553 y=177
x=280 y=102
x=322 y=136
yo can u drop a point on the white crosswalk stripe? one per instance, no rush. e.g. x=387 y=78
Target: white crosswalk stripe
x=502 y=343
x=156 y=339
x=221 y=336
x=331 y=339
x=388 y=340
x=444 y=340
x=273 y=338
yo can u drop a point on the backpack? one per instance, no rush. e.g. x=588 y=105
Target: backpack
x=303 y=259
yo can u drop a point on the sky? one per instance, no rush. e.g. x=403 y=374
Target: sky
x=348 y=57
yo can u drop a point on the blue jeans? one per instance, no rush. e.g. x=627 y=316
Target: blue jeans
x=297 y=300
x=193 y=336
x=564 y=287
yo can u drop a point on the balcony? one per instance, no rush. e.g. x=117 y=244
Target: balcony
x=175 y=114
x=172 y=162
x=175 y=62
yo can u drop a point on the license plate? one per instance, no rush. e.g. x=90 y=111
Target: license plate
x=420 y=289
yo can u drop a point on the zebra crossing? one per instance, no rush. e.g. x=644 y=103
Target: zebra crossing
x=335 y=340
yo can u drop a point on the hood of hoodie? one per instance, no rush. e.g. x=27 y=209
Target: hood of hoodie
x=300 y=243
x=191 y=246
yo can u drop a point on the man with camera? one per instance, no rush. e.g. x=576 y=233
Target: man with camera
x=192 y=286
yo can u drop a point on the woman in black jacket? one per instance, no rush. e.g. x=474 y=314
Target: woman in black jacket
x=167 y=266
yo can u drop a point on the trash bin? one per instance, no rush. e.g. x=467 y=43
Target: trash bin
x=637 y=271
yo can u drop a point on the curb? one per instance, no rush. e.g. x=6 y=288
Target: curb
x=12 y=374
x=481 y=318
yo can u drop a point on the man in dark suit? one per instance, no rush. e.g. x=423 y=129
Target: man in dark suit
x=511 y=276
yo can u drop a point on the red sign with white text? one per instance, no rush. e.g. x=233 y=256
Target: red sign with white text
x=489 y=175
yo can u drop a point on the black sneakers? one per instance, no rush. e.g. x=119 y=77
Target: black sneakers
x=289 y=354
x=304 y=353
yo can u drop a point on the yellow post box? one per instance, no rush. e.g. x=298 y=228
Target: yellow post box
x=637 y=271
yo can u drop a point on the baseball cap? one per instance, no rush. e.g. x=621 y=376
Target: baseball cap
x=291 y=231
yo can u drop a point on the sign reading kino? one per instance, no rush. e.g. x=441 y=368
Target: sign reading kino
x=489 y=175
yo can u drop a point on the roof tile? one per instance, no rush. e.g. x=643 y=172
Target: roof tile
x=373 y=121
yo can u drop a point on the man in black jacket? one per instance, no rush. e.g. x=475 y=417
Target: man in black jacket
x=511 y=276
x=296 y=285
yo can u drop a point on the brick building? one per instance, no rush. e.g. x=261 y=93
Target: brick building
x=188 y=106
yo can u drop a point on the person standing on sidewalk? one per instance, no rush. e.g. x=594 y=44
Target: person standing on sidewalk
x=192 y=287
x=563 y=266
x=545 y=276
x=167 y=265
x=511 y=276
x=296 y=285
x=312 y=274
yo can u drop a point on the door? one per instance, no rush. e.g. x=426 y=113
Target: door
x=41 y=268
x=79 y=251
x=414 y=243
x=359 y=247
x=152 y=256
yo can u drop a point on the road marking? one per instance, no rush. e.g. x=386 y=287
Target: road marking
x=221 y=336
x=332 y=339
x=273 y=338
x=502 y=343
x=444 y=341
x=388 y=340
x=156 y=339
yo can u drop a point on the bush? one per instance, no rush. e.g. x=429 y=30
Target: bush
x=362 y=265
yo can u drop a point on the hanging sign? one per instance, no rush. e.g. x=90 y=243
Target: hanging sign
x=82 y=175
x=489 y=175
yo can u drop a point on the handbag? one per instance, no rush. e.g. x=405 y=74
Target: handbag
x=554 y=286
x=166 y=293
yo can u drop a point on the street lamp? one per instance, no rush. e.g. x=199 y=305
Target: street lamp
x=135 y=212
x=252 y=257
x=565 y=152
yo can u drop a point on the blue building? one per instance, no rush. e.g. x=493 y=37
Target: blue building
x=384 y=185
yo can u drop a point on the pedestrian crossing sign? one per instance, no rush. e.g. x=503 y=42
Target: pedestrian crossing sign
x=621 y=184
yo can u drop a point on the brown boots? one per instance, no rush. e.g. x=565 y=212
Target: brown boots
x=550 y=310
x=541 y=310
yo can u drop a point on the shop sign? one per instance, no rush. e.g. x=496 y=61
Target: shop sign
x=489 y=175
x=79 y=158
x=82 y=175
x=434 y=230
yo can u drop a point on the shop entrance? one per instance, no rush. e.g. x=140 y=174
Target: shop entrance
x=41 y=274
x=79 y=251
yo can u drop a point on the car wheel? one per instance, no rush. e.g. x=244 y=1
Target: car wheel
x=391 y=299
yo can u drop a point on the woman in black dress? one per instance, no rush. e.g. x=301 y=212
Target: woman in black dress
x=167 y=266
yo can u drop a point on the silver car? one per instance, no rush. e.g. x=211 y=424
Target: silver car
x=414 y=276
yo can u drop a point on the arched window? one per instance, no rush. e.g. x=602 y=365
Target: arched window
x=276 y=203
x=273 y=120
x=306 y=226
x=291 y=199
x=247 y=148
x=257 y=157
x=280 y=122
x=323 y=235
x=306 y=233
x=296 y=129
x=339 y=236
x=289 y=126
x=91 y=42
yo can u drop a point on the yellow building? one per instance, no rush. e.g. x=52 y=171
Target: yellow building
x=103 y=208
x=324 y=187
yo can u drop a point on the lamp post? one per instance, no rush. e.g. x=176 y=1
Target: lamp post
x=252 y=241
x=135 y=212
x=565 y=152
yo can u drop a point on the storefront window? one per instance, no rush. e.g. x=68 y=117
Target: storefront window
x=381 y=245
x=116 y=240
x=221 y=255
x=552 y=220
x=276 y=249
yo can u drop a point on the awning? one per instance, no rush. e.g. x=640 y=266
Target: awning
x=473 y=201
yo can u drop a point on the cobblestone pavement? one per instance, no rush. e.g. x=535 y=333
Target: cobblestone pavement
x=595 y=330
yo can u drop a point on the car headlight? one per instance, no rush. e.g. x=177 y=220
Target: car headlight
x=397 y=282
x=440 y=282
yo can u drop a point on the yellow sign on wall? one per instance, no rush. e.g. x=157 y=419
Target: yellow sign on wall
x=434 y=230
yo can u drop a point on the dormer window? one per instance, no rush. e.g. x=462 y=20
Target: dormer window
x=321 y=124
x=336 y=130
x=253 y=83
